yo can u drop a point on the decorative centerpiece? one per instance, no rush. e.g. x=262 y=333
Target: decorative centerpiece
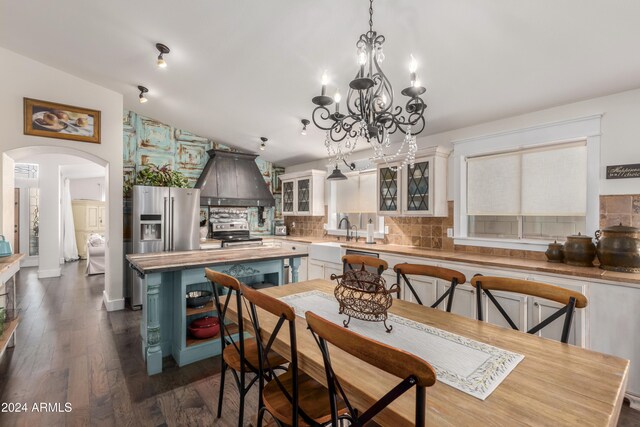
x=363 y=295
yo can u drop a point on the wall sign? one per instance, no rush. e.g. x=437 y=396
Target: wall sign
x=623 y=171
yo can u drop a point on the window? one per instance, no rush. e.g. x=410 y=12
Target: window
x=536 y=193
x=521 y=189
x=354 y=199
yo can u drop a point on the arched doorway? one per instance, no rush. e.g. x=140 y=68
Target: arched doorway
x=51 y=159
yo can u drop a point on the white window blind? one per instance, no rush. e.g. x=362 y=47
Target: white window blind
x=367 y=191
x=347 y=197
x=357 y=193
x=545 y=181
x=554 y=182
x=493 y=185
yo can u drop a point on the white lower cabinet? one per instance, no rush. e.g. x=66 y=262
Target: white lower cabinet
x=515 y=305
x=464 y=299
x=330 y=269
x=315 y=270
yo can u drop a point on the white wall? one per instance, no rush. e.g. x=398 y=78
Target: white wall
x=87 y=189
x=7 y=198
x=22 y=77
x=620 y=141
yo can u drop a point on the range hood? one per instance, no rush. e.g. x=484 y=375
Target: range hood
x=233 y=179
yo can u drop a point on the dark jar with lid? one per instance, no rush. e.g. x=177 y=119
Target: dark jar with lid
x=579 y=250
x=554 y=252
x=619 y=248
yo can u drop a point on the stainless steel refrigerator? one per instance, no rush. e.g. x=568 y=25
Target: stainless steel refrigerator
x=163 y=219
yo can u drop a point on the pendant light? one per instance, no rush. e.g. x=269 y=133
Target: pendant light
x=163 y=49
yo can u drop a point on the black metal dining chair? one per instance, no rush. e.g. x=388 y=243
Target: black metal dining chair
x=570 y=299
x=292 y=398
x=240 y=354
x=412 y=371
x=452 y=276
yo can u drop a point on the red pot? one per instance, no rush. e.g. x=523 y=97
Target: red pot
x=205 y=327
x=204 y=322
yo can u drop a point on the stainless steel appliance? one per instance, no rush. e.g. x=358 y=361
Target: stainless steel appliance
x=231 y=226
x=163 y=219
x=280 y=228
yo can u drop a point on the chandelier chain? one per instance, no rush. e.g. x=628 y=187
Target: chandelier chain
x=371 y=15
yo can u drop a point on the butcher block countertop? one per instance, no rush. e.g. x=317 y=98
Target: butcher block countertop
x=481 y=259
x=172 y=261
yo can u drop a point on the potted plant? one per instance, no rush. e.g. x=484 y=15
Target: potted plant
x=157 y=176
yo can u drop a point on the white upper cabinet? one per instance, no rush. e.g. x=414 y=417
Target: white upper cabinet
x=303 y=193
x=417 y=191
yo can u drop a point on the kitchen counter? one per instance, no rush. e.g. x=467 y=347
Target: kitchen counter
x=172 y=261
x=168 y=276
x=480 y=259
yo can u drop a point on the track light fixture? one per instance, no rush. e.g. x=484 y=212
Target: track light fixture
x=143 y=90
x=305 y=122
x=163 y=49
x=263 y=144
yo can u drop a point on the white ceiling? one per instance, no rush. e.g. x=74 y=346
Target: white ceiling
x=239 y=70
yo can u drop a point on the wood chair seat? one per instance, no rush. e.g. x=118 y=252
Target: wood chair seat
x=313 y=399
x=232 y=358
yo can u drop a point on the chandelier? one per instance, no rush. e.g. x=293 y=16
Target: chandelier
x=370 y=111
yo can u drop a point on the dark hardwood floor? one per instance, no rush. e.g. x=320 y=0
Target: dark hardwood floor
x=70 y=349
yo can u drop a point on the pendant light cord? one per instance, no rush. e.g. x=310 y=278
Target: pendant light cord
x=371 y=15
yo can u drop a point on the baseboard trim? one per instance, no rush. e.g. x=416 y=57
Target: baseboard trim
x=29 y=261
x=112 y=305
x=45 y=274
x=634 y=401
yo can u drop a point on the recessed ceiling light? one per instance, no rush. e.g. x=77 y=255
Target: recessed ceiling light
x=263 y=144
x=305 y=122
x=163 y=49
x=143 y=90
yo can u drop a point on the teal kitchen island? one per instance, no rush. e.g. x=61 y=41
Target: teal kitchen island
x=168 y=276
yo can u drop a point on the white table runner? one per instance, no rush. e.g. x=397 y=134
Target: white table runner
x=468 y=365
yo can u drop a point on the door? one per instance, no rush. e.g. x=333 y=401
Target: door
x=416 y=191
x=542 y=308
x=150 y=211
x=92 y=217
x=516 y=306
x=287 y=197
x=16 y=222
x=315 y=270
x=464 y=299
x=102 y=219
x=388 y=191
x=184 y=234
x=303 y=199
x=426 y=288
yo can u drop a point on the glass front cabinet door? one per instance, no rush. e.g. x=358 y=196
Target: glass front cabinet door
x=417 y=194
x=303 y=193
x=288 y=202
x=420 y=190
x=388 y=190
x=303 y=196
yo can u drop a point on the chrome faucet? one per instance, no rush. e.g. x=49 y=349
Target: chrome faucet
x=348 y=227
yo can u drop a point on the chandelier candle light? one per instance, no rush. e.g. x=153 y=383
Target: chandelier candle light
x=370 y=110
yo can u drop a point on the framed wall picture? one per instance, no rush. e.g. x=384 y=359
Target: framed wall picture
x=51 y=120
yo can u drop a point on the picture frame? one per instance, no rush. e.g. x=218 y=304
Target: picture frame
x=53 y=120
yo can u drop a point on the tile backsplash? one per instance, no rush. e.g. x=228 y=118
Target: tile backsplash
x=431 y=233
x=623 y=209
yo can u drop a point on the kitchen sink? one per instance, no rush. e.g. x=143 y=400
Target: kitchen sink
x=326 y=251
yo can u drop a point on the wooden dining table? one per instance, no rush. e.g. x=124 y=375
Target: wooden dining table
x=556 y=384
